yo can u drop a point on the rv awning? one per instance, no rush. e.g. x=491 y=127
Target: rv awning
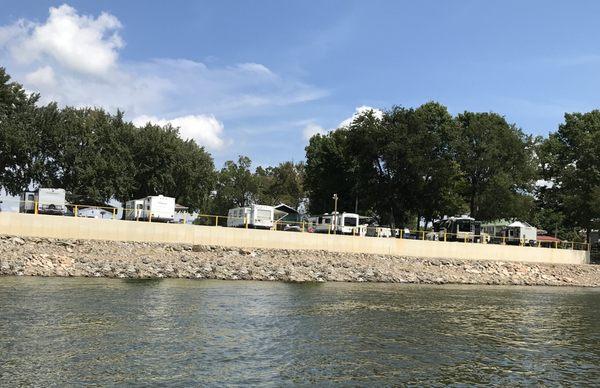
x=282 y=207
x=180 y=208
x=519 y=224
x=547 y=239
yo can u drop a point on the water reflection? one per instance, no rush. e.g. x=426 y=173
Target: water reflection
x=78 y=331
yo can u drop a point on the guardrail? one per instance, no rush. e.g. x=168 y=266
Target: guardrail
x=308 y=227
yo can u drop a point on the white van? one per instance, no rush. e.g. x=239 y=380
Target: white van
x=253 y=216
x=152 y=208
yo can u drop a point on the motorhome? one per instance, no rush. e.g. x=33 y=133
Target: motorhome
x=338 y=223
x=152 y=208
x=46 y=200
x=463 y=228
x=519 y=233
x=253 y=216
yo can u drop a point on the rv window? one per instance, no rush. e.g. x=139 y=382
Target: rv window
x=140 y=206
x=147 y=207
x=326 y=221
x=464 y=225
x=30 y=197
x=350 y=221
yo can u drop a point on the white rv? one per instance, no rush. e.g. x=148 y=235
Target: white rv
x=520 y=233
x=48 y=201
x=253 y=216
x=463 y=228
x=153 y=208
x=338 y=223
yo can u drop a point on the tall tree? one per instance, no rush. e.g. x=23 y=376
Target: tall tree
x=283 y=183
x=570 y=160
x=329 y=171
x=85 y=151
x=19 y=139
x=165 y=164
x=236 y=186
x=498 y=165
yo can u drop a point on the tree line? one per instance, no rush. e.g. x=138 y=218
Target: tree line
x=97 y=156
x=405 y=168
x=415 y=165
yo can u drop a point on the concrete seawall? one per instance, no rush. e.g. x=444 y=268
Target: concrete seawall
x=29 y=225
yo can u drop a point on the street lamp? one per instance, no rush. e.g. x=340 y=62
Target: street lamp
x=335 y=216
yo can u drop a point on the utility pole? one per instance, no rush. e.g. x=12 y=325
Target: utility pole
x=335 y=216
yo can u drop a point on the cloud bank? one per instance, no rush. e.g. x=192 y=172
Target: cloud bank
x=73 y=59
x=312 y=128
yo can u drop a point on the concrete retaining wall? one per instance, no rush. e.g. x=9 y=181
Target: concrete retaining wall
x=95 y=229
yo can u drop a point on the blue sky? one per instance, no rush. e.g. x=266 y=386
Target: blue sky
x=255 y=78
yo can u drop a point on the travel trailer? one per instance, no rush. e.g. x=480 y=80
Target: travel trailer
x=152 y=208
x=48 y=201
x=338 y=223
x=462 y=228
x=253 y=216
x=520 y=233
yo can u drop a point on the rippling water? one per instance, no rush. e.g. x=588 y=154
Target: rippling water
x=183 y=332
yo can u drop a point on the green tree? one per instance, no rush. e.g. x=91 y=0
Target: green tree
x=165 y=164
x=498 y=165
x=19 y=138
x=418 y=152
x=86 y=152
x=283 y=183
x=328 y=171
x=236 y=186
x=570 y=160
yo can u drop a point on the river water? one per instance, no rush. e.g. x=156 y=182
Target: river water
x=58 y=331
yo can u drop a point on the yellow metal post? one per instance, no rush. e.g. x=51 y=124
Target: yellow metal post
x=444 y=236
x=246 y=220
x=184 y=218
x=76 y=212
x=35 y=207
x=216 y=220
x=114 y=214
x=150 y=217
x=302 y=227
x=423 y=237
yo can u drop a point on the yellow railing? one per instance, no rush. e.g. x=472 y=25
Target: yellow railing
x=309 y=227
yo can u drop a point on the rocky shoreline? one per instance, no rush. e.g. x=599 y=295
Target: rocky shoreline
x=20 y=256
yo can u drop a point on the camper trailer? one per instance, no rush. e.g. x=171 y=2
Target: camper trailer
x=47 y=201
x=338 y=223
x=153 y=208
x=520 y=233
x=253 y=216
x=462 y=228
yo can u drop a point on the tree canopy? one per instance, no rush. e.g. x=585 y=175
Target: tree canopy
x=407 y=166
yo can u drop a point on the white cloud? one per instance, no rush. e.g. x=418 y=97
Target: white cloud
x=74 y=59
x=42 y=77
x=359 y=111
x=80 y=43
x=312 y=129
x=206 y=130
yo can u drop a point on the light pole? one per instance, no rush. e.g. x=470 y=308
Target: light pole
x=335 y=217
